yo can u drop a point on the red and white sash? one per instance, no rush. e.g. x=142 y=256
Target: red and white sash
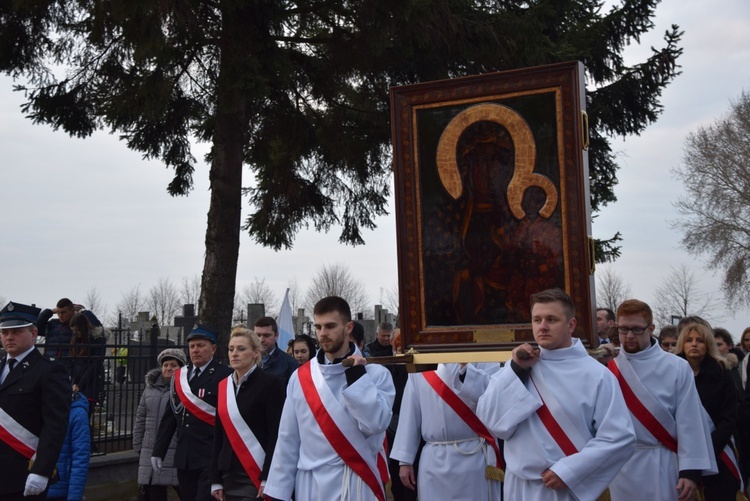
x=200 y=409
x=642 y=404
x=17 y=437
x=244 y=443
x=385 y=474
x=464 y=412
x=555 y=419
x=729 y=458
x=338 y=427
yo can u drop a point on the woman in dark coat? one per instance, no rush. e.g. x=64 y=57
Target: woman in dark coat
x=86 y=359
x=152 y=485
x=247 y=422
x=697 y=345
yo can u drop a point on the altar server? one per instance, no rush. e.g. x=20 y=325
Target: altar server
x=566 y=428
x=334 y=419
x=461 y=459
x=673 y=433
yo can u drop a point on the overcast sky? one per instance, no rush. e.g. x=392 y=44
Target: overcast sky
x=90 y=213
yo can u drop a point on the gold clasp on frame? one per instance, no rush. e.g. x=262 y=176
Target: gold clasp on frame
x=585 y=129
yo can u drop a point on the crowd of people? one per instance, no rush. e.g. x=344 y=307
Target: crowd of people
x=646 y=417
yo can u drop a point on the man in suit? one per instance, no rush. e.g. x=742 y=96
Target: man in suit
x=34 y=408
x=275 y=361
x=193 y=402
x=381 y=347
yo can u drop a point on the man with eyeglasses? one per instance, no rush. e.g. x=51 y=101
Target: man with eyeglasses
x=673 y=436
x=668 y=338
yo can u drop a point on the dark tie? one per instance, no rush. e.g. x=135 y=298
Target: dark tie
x=195 y=377
x=11 y=363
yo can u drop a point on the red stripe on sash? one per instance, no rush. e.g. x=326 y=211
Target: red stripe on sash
x=554 y=428
x=16 y=444
x=189 y=405
x=464 y=412
x=335 y=436
x=385 y=475
x=731 y=465
x=238 y=445
x=641 y=413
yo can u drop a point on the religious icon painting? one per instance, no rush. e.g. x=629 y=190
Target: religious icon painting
x=492 y=205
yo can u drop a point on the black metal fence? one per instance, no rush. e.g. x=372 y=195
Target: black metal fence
x=128 y=356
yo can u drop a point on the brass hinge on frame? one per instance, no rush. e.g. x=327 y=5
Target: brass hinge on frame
x=585 y=129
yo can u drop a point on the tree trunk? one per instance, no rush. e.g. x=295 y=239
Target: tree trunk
x=223 y=231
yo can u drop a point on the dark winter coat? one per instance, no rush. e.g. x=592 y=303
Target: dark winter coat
x=719 y=398
x=281 y=365
x=57 y=335
x=73 y=463
x=154 y=403
x=260 y=402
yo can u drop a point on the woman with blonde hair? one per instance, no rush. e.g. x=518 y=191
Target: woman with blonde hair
x=697 y=345
x=247 y=422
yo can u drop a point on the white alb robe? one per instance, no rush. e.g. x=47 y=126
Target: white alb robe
x=589 y=396
x=652 y=472
x=304 y=462
x=453 y=461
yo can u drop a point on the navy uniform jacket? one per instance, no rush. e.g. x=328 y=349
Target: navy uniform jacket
x=281 y=364
x=195 y=437
x=37 y=394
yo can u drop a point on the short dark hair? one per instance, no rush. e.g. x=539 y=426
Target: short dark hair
x=610 y=314
x=358 y=333
x=65 y=303
x=385 y=326
x=267 y=322
x=724 y=335
x=332 y=304
x=636 y=307
x=555 y=296
x=667 y=331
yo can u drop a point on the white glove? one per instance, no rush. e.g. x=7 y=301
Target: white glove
x=156 y=463
x=35 y=484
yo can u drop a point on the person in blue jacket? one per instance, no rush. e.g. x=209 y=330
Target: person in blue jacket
x=73 y=463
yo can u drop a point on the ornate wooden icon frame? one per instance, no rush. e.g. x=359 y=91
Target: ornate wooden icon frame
x=536 y=114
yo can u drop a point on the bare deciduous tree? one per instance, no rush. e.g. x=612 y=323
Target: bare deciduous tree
x=130 y=304
x=163 y=301
x=258 y=292
x=295 y=295
x=93 y=301
x=611 y=290
x=190 y=291
x=680 y=294
x=716 y=208
x=389 y=299
x=336 y=280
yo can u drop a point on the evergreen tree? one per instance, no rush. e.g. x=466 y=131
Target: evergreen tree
x=298 y=92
